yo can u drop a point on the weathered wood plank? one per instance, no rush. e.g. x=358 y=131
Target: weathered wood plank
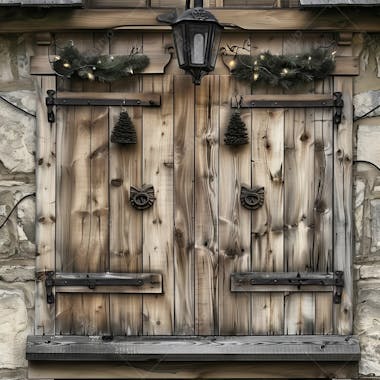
x=267 y=166
x=184 y=204
x=323 y=208
x=186 y=370
x=247 y=348
x=45 y=207
x=126 y=234
x=158 y=311
x=206 y=206
x=40 y=65
x=267 y=222
x=264 y=19
x=343 y=156
x=299 y=213
x=234 y=221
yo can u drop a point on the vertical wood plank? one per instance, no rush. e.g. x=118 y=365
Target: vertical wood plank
x=45 y=206
x=184 y=97
x=125 y=222
x=323 y=209
x=234 y=221
x=158 y=310
x=206 y=206
x=299 y=214
x=83 y=204
x=267 y=222
x=343 y=155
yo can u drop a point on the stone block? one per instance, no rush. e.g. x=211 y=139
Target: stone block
x=13 y=328
x=17 y=132
x=365 y=101
x=367 y=147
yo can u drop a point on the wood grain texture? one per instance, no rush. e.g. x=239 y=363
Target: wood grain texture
x=203 y=349
x=299 y=214
x=206 y=206
x=267 y=222
x=323 y=208
x=45 y=207
x=234 y=221
x=184 y=110
x=343 y=156
x=265 y=20
x=158 y=311
x=126 y=232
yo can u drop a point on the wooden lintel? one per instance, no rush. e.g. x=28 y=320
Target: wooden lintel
x=196 y=370
x=181 y=348
x=343 y=65
x=40 y=65
x=249 y=19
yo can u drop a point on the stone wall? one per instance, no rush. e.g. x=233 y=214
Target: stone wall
x=367 y=203
x=17 y=179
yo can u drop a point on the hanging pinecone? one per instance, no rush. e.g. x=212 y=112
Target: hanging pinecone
x=124 y=131
x=236 y=133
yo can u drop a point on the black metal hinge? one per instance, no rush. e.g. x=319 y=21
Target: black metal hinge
x=51 y=100
x=146 y=282
x=289 y=281
x=338 y=104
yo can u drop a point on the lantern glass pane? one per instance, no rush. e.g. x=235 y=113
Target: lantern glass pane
x=197 y=53
x=198 y=39
x=179 y=43
x=215 y=46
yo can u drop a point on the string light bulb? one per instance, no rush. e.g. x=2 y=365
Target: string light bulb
x=284 y=72
x=57 y=58
x=255 y=76
x=66 y=65
x=90 y=76
x=232 y=64
x=262 y=57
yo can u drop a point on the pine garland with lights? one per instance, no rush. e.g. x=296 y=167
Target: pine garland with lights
x=106 y=68
x=284 y=71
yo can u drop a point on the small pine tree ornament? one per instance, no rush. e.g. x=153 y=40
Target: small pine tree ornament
x=236 y=133
x=124 y=131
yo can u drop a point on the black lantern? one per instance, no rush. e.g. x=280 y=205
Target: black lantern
x=196 y=35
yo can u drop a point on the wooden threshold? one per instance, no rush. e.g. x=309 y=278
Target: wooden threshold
x=307 y=348
x=196 y=370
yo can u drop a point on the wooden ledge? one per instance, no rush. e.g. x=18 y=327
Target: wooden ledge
x=305 y=348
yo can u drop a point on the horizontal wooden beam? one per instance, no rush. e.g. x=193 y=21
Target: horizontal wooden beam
x=248 y=19
x=40 y=65
x=223 y=348
x=192 y=370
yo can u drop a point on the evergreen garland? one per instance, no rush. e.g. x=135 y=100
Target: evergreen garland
x=236 y=133
x=285 y=71
x=124 y=131
x=106 y=68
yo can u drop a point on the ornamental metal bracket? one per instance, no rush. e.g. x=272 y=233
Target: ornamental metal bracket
x=252 y=198
x=102 y=99
x=100 y=283
x=289 y=282
x=338 y=104
x=142 y=198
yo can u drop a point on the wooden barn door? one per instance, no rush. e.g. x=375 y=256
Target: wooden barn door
x=197 y=235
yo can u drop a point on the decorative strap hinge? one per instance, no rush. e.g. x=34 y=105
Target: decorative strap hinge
x=338 y=104
x=100 y=283
x=289 y=282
